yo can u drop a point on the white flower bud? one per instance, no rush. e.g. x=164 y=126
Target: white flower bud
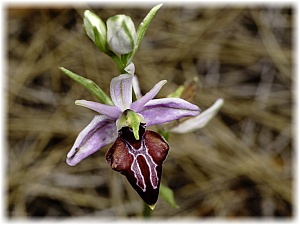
x=121 y=34
x=96 y=30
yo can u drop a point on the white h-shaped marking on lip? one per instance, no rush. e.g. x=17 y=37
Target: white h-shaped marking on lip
x=135 y=167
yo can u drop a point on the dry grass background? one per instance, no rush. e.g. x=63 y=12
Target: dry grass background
x=239 y=166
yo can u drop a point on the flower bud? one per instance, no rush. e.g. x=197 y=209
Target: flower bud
x=121 y=34
x=96 y=30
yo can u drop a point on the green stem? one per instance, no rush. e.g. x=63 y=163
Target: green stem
x=147 y=212
x=117 y=60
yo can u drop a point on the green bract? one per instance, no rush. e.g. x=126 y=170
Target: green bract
x=168 y=195
x=96 y=30
x=121 y=34
x=141 y=31
x=90 y=85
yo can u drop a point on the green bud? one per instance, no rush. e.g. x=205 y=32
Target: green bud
x=96 y=30
x=121 y=34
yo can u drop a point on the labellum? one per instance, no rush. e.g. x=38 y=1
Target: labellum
x=140 y=160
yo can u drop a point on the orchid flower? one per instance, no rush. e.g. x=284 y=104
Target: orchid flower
x=137 y=153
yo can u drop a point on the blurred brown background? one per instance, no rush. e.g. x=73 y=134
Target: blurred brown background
x=240 y=165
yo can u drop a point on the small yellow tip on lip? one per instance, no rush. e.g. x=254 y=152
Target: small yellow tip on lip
x=77 y=102
x=152 y=206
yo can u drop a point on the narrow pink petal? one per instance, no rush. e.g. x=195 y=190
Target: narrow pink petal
x=100 y=132
x=139 y=104
x=164 y=110
x=121 y=91
x=110 y=111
